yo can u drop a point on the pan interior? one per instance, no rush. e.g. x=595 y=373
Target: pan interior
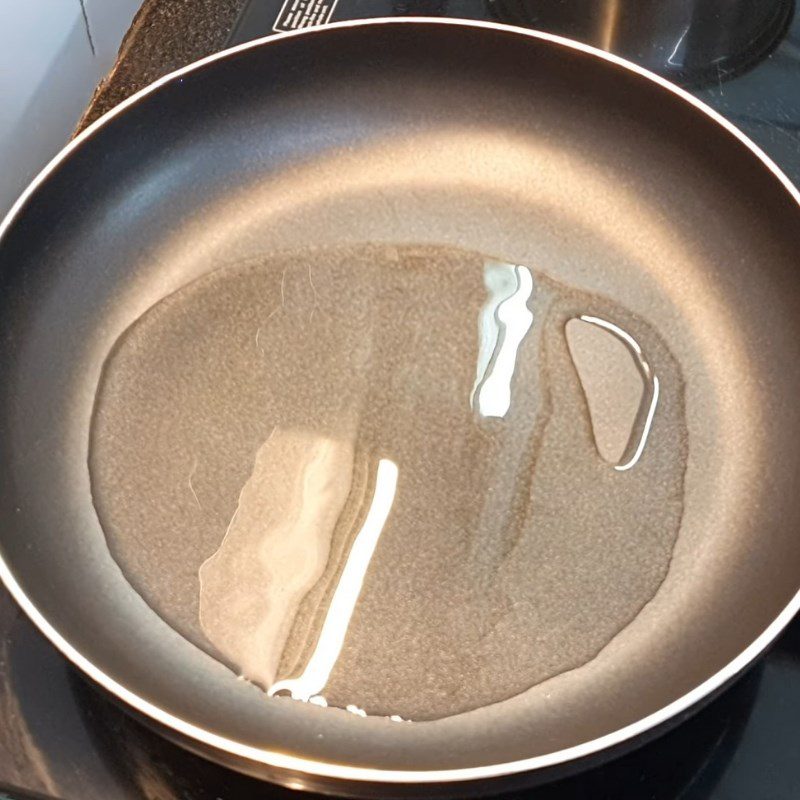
x=312 y=269
x=250 y=428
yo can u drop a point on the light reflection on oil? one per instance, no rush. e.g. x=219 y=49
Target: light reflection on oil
x=504 y=322
x=331 y=638
x=649 y=402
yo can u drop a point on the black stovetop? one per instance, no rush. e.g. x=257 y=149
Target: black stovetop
x=62 y=738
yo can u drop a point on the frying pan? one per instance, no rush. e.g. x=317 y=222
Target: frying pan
x=529 y=148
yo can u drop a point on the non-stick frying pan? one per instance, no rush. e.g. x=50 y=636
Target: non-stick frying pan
x=365 y=188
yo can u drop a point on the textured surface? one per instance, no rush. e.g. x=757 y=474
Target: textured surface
x=165 y=35
x=513 y=551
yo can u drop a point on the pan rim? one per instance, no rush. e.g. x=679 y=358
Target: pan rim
x=322 y=769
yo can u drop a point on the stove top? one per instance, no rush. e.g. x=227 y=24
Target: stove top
x=60 y=737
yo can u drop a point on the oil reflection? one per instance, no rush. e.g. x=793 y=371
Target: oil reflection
x=647 y=409
x=504 y=322
x=315 y=676
x=275 y=548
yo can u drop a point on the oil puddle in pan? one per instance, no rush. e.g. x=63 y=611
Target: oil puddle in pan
x=405 y=481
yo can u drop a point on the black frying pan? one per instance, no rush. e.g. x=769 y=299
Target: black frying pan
x=363 y=183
